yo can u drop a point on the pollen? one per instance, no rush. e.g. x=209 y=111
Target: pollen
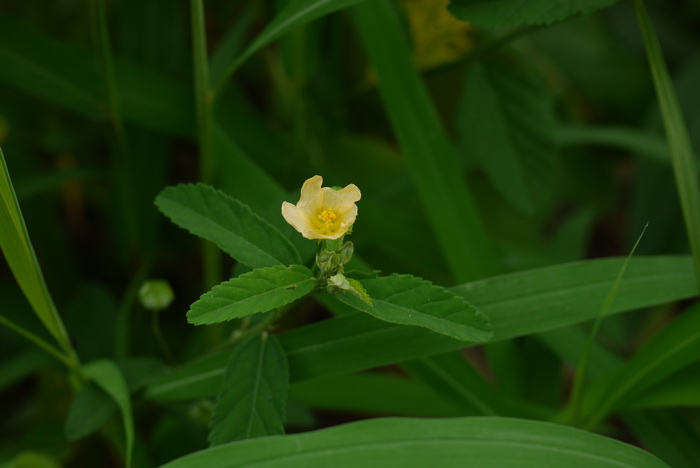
x=327 y=217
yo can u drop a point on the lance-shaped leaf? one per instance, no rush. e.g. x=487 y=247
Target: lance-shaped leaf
x=260 y=290
x=392 y=442
x=18 y=250
x=253 y=397
x=510 y=13
x=407 y=300
x=230 y=224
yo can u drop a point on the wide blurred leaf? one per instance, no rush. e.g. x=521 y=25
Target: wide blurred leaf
x=676 y=346
x=235 y=228
x=260 y=290
x=516 y=304
x=89 y=411
x=510 y=13
x=506 y=123
x=679 y=389
x=408 y=300
x=446 y=199
x=42 y=66
x=106 y=375
x=253 y=395
x=493 y=442
x=374 y=393
x=296 y=13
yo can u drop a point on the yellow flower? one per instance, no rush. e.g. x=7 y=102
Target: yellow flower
x=321 y=212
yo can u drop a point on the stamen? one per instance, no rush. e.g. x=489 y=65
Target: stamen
x=327 y=217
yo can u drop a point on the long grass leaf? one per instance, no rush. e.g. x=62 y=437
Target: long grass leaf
x=679 y=145
x=424 y=143
x=20 y=256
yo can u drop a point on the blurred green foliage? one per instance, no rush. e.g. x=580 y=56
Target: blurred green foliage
x=481 y=149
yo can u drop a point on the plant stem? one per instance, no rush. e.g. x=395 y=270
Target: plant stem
x=211 y=257
x=121 y=161
x=121 y=340
x=55 y=352
x=155 y=328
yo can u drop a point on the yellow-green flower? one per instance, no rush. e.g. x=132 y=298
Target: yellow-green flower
x=321 y=212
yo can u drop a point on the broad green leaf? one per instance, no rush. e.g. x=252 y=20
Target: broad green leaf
x=90 y=409
x=506 y=123
x=106 y=375
x=260 y=290
x=217 y=217
x=493 y=442
x=297 y=13
x=510 y=13
x=429 y=155
x=516 y=304
x=20 y=256
x=408 y=300
x=673 y=348
x=679 y=145
x=253 y=395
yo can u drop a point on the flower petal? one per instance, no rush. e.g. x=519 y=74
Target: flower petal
x=311 y=194
x=298 y=219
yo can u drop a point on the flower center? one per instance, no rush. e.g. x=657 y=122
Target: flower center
x=327 y=217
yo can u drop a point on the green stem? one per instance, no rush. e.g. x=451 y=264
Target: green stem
x=55 y=352
x=211 y=257
x=121 y=335
x=121 y=160
x=678 y=140
x=155 y=328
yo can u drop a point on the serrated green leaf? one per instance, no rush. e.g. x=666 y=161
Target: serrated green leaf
x=217 y=217
x=390 y=442
x=106 y=375
x=260 y=290
x=90 y=409
x=506 y=123
x=511 y=13
x=408 y=300
x=253 y=395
